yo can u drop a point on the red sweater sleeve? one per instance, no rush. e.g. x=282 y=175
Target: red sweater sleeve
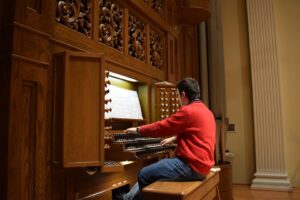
x=172 y=125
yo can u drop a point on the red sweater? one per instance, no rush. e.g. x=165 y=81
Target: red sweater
x=194 y=126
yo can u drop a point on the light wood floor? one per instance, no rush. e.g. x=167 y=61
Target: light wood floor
x=244 y=192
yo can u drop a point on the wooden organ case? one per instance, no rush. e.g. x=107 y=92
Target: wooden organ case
x=88 y=142
x=55 y=142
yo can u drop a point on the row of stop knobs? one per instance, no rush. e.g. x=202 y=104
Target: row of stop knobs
x=106 y=91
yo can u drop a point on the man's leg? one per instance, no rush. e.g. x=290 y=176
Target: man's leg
x=167 y=169
x=133 y=194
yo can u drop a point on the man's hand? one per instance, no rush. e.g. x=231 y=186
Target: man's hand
x=133 y=130
x=167 y=141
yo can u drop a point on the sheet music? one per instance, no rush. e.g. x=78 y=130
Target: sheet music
x=124 y=103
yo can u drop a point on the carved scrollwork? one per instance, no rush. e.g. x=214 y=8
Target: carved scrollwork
x=137 y=38
x=156 y=50
x=110 y=24
x=157 y=6
x=75 y=14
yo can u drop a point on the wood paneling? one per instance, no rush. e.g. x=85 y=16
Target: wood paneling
x=187 y=53
x=27 y=145
x=33 y=13
x=31 y=43
x=100 y=195
x=6 y=28
x=172 y=59
x=34 y=5
x=78 y=184
x=190 y=53
x=34 y=127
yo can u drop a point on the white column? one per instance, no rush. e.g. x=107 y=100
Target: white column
x=270 y=163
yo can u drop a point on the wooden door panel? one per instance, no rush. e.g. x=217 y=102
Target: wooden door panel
x=27 y=165
x=79 y=109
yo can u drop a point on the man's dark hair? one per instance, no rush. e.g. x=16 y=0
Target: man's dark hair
x=191 y=88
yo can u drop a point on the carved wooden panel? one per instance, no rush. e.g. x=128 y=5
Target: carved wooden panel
x=28 y=155
x=157 y=6
x=156 y=49
x=79 y=109
x=110 y=24
x=75 y=14
x=137 y=38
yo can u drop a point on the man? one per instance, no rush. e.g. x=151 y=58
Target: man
x=194 y=128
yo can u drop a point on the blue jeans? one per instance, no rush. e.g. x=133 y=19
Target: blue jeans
x=172 y=169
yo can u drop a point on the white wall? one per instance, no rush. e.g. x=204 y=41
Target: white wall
x=238 y=85
x=287 y=23
x=238 y=90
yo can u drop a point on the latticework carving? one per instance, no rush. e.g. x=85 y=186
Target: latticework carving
x=157 y=6
x=156 y=49
x=75 y=14
x=110 y=24
x=137 y=38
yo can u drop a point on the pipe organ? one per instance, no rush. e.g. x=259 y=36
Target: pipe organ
x=55 y=140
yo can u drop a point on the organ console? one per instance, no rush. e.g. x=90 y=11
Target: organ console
x=91 y=116
x=120 y=146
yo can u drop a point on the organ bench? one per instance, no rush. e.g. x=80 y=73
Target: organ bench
x=183 y=190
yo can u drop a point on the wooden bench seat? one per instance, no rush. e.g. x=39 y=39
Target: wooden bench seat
x=179 y=190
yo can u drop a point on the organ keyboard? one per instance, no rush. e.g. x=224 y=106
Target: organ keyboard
x=124 y=146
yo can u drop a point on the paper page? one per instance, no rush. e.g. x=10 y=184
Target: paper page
x=124 y=103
